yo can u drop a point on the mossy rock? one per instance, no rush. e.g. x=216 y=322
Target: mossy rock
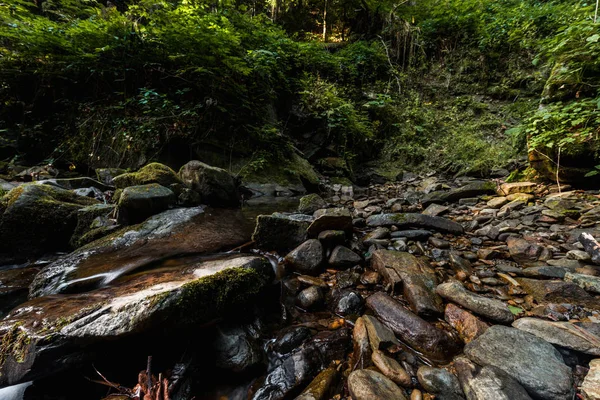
x=293 y=171
x=311 y=203
x=137 y=203
x=86 y=218
x=151 y=173
x=215 y=185
x=38 y=218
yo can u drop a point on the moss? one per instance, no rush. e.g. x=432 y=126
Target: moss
x=151 y=173
x=399 y=218
x=293 y=171
x=14 y=344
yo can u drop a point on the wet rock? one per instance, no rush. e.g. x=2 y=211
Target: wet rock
x=337 y=219
x=106 y=175
x=526 y=253
x=365 y=384
x=416 y=234
x=380 y=336
x=37 y=218
x=591 y=246
x=391 y=368
x=488 y=382
x=330 y=239
x=320 y=387
x=306 y=258
x=376 y=234
x=48 y=334
x=14 y=286
x=215 y=185
x=418 y=281
x=310 y=298
x=579 y=336
x=361 y=356
x=468 y=326
x=544 y=291
x=440 y=382
x=591 y=384
x=289 y=339
x=412 y=220
x=347 y=278
x=280 y=232
x=586 y=282
x=348 y=302
x=311 y=203
x=303 y=364
x=237 y=348
x=312 y=281
x=173 y=232
x=516 y=187
x=490 y=231
x=532 y=361
x=140 y=202
x=151 y=173
x=473 y=189
x=493 y=309
x=187 y=197
x=439 y=243
x=86 y=217
x=343 y=257
x=460 y=264
x=411 y=329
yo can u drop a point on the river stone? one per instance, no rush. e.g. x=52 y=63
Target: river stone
x=467 y=325
x=174 y=232
x=280 y=232
x=216 y=186
x=487 y=383
x=336 y=219
x=320 y=387
x=532 y=361
x=310 y=298
x=38 y=218
x=418 y=280
x=140 y=202
x=411 y=329
x=497 y=202
x=380 y=336
x=331 y=239
x=579 y=336
x=440 y=382
x=311 y=203
x=306 y=258
x=473 y=189
x=526 y=253
x=92 y=223
x=416 y=234
x=48 y=334
x=343 y=257
x=151 y=173
x=435 y=209
x=365 y=384
x=347 y=302
x=516 y=187
x=361 y=354
x=413 y=220
x=106 y=175
x=237 y=348
x=586 y=282
x=391 y=368
x=590 y=388
x=555 y=291
x=493 y=309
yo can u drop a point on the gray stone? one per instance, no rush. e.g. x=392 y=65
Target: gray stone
x=413 y=220
x=487 y=383
x=490 y=231
x=578 y=336
x=140 y=202
x=337 y=219
x=380 y=336
x=435 y=209
x=532 y=361
x=215 y=185
x=493 y=309
x=473 y=189
x=416 y=234
x=440 y=382
x=311 y=203
x=343 y=257
x=587 y=282
x=306 y=258
x=310 y=298
x=391 y=368
x=280 y=232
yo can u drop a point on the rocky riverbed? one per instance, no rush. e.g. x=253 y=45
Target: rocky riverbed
x=419 y=289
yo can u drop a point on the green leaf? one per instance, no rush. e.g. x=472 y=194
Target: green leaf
x=515 y=310
x=593 y=39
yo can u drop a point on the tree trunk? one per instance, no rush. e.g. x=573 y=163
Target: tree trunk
x=325 y=22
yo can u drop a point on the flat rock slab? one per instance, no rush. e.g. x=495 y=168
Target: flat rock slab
x=591 y=384
x=411 y=329
x=488 y=382
x=586 y=282
x=555 y=291
x=532 y=361
x=173 y=232
x=336 y=219
x=418 y=280
x=47 y=334
x=473 y=189
x=365 y=384
x=493 y=309
x=280 y=232
x=414 y=220
x=579 y=336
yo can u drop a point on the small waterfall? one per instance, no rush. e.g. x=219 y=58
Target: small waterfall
x=15 y=392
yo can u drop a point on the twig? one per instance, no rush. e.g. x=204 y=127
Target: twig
x=558 y=169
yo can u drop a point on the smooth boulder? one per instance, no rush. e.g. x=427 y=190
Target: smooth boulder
x=216 y=186
x=140 y=202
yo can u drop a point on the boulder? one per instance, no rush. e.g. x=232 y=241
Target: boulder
x=46 y=335
x=174 y=232
x=216 y=186
x=473 y=189
x=306 y=258
x=311 y=203
x=418 y=280
x=532 y=361
x=578 y=336
x=140 y=202
x=587 y=282
x=38 y=218
x=413 y=220
x=411 y=329
x=151 y=173
x=280 y=232
x=489 y=382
